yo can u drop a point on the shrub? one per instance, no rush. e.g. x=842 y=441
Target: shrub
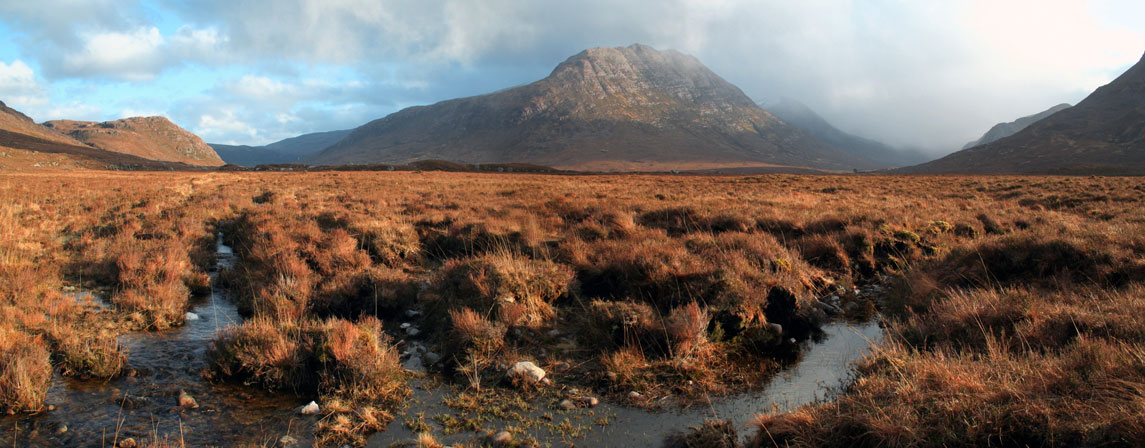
x=25 y=372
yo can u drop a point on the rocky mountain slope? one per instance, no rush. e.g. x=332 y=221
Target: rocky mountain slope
x=1103 y=134
x=624 y=109
x=1003 y=130
x=880 y=154
x=153 y=138
x=289 y=150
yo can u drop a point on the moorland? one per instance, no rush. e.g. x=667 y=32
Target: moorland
x=1010 y=304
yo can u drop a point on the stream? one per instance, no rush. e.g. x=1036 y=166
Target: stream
x=143 y=406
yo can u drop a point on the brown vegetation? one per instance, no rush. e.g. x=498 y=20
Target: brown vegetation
x=1011 y=299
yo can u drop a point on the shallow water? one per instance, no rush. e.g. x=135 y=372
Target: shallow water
x=96 y=413
x=144 y=406
x=825 y=366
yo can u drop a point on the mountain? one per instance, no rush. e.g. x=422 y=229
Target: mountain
x=25 y=145
x=290 y=150
x=1003 y=130
x=1103 y=134
x=799 y=115
x=622 y=109
x=14 y=121
x=153 y=138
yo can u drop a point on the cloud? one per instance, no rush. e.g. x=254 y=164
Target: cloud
x=19 y=87
x=134 y=56
x=929 y=74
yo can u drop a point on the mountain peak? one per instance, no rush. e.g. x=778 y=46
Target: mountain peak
x=154 y=138
x=609 y=108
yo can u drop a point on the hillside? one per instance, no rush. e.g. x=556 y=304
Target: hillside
x=1103 y=134
x=880 y=154
x=289 y=150
x=153 y=138
x=1003 y=130
x=618 y=109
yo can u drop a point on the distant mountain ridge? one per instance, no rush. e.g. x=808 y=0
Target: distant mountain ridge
x=1103 y=134
x=289 y=150
x=621 y=109
x=880 y=154
x=153 y=138
x=1003 y=130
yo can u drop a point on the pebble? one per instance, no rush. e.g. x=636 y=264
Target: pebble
x=62 y=429
x=527 y=370
x=590 y=401
x=413 y=313
x=406 y=325
x=634 y=395
x=286 y=441
x=310 y=409
x=775 y=328
x=186 y=401
x=412 y=331
x=413 y=364
x=567 y=405
x=502 y=438
x=190 y=316
x=432 y=358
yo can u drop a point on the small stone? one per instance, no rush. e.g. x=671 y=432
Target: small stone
x=186 y=401
x=62 y=429
x=286 y=441
x=310 y=409
x=502 y=438
x=51 y=407
x=190 y=316
x=432 y=358
x=413 y=364
x=413 y=313
x=406 y=325
x=590 y=401
x=634 y=395
x=775 y=328
x=567 y=405
x=554 y=333
x=528 y=371
x=412 y=331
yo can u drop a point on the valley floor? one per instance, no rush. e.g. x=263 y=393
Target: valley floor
x=1009 y=303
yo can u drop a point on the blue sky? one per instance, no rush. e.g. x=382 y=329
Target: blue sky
x=924 y=74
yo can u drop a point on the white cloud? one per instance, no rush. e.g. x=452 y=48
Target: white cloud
x=19 y=87
x=134 y=56
x=223 y=125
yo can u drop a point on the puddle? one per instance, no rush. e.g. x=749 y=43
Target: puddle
x=824 y=366
x=144 y=406
x=96 y=413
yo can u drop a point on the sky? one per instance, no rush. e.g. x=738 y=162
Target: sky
x=929 y=75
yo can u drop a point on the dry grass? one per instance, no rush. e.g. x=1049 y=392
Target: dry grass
x=1011 y=298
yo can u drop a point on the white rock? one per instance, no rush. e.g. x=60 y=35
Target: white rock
x=502 y=438
x=286 y=441
x=567 y=405
x=406 y=325
x=310 y=409
x=412 y=331
x=413 y=313
x=590 y=401
x=190 y=316
x=528 y=371
x=634 y=395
